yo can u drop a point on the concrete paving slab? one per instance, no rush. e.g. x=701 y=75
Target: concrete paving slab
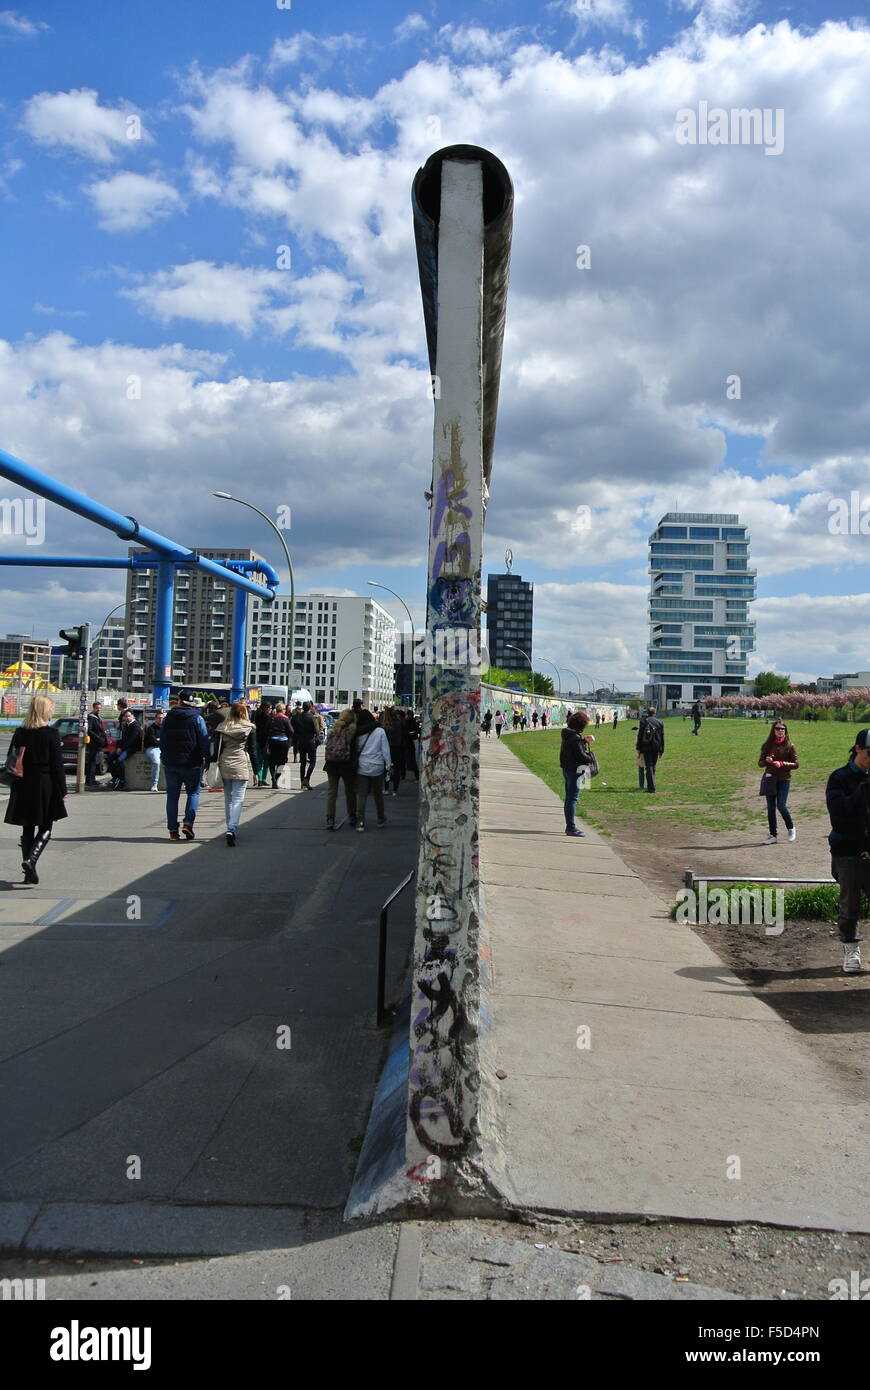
x=692 y=1098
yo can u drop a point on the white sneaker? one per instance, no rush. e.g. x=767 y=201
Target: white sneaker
x=771 y=840
x=792 y=834
x=851 y=957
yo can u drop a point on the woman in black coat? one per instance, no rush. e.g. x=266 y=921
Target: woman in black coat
x=36 y=799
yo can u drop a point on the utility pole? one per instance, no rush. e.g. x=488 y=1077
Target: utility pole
x=85 y=631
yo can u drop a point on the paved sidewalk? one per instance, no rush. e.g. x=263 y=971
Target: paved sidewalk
x=641 y=1075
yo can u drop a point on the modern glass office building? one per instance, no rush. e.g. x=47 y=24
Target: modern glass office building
x=700 y=590
x=510 y=605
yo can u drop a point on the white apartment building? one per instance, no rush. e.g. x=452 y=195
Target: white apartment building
x=344 y=648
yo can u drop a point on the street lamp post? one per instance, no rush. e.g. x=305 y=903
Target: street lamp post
x=228 y=497
x=99 y=638
x=540 y=658
x=349 y=652
x=576 y=676
x=375 y=585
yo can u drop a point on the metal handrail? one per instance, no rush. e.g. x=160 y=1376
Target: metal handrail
x=383 y=1013
x=690 y=879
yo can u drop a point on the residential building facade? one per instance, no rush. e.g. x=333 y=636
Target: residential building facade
x=107 y=658
x=701 y=586
x=344 y=647
x=202 y=626
x=19 y=650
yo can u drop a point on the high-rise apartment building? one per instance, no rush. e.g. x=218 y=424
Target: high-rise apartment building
x=202 y=624
x=107 y=658
x=344 y=648
x=25 y=652
x=700 y=590
x=509 y=605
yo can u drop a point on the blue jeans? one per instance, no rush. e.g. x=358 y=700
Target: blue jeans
x=234 y=796
x=572 y=791
x=778 y=803
x=153 y=756
x=176 y=778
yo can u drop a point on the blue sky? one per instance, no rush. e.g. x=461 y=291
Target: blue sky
x=259 y=127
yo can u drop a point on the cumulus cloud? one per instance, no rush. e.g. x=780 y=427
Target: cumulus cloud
x=412 y=24
x=20 y=25
x=226 y=294
x=605 y=14
x=76 y=121
x=130 y=202
x=306 y=46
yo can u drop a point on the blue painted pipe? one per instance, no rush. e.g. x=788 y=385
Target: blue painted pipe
x=237 y=675
x=126 y=527
x=162 y=677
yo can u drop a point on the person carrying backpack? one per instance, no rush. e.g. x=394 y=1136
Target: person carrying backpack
x=338 y=765
x=651 y=746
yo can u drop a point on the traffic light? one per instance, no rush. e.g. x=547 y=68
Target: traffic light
x=75 y=636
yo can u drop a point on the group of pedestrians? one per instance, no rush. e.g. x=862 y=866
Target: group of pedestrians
x=365 y=754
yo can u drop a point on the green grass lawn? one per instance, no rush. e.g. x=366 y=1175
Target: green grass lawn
x=709 y=781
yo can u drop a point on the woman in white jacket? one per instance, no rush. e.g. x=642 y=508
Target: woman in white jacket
x=236 y=759
x=372 y=754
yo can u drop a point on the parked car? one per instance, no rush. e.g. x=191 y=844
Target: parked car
x=68 y=729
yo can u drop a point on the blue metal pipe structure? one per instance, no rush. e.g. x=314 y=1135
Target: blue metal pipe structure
x=240 y=618
x=126 y=527
x=162 y=674
x=164 y=555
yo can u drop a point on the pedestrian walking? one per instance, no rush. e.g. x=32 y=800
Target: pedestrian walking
x=212 y=716
x=486 y=722
x=236 y=748
x=151 y=741
x=338 y=764
x=184 y=747
x=412 y=742
x=280 y=732
x=97 y=740
x=37 y=797
x=499 y=722
x=573 y=755
x=261 y=725
x=848 y=799
x=615 y=718
x=650 y=746
x=393 y=726
x=778 y=758
x=306 y=731
x=543 y=719
x=696 y=717
x=129 y=742
x=372 y=757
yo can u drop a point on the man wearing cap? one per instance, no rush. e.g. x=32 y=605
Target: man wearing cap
x=184 y=747
x=848 y=798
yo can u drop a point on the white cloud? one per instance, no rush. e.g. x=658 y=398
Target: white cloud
x=130 y=202
x=8 y=171
x=412 y=24
x=59 y=313
x=20 y=25
x=306 y=46
x=75 y=121
x=472 y=41
x=229 y=294
x=605 y=14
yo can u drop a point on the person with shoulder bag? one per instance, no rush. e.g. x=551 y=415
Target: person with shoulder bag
x=280 y=732
x=574 y=756
x=38 y=783
x=650 y=746
x=339 y=767
x=236 y=751
x=372 y=757
x=778 y=758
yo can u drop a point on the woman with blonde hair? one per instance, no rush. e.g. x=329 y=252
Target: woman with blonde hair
x=37 y=797
x=236 y=757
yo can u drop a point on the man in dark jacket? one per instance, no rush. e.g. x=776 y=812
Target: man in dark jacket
x=97 y=741
x=129 y=742
x=848 y=798
x=184 y=747
x=696 y=716
x=650 y=745
x=305 y=734
x=261 y=721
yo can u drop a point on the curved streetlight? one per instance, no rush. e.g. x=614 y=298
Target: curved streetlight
x=375 y=585
x=349 y=652
x=576 y=676
x=228 y=497
x=515 y=648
